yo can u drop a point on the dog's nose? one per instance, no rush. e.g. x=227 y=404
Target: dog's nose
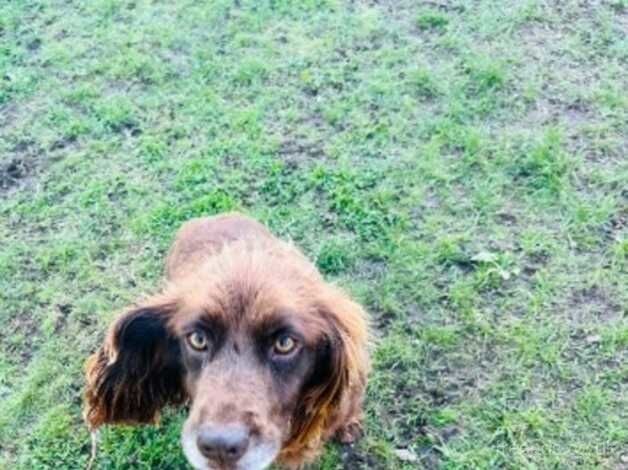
x=223 y=444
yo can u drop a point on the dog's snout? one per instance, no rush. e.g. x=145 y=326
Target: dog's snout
x=223 y=444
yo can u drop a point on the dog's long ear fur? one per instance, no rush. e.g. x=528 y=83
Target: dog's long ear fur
x=334 y=392
x=136 y=371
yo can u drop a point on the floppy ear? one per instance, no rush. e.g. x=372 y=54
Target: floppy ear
x=332 y=397
x=136 y=371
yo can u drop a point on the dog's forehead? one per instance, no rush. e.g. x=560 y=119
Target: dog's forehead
x=244 y=300
x=238 y=301
x=245 y=313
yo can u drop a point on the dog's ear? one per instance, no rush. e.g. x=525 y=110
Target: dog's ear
x=136 y=371
x=333 y=394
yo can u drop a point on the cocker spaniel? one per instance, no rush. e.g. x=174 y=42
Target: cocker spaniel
x=270 y=358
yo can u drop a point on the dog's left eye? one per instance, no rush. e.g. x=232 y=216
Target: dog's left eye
x=198 y=340
x=284 y=345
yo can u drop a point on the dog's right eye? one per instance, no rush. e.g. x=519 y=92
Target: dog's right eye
x=198 y=340
x=284 y=345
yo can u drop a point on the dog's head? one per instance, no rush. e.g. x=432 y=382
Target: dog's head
x=262 y=349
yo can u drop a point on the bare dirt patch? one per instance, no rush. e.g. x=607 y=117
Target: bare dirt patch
x=64 y=311
x=16 y=171
x=24 y=328
x=12 y=172
x=353 y=457
x=593 y=303
x=297 y=149
x=293 y=151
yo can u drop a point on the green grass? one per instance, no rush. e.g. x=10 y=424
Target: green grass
x=459 y=166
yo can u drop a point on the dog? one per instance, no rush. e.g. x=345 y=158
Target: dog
x=270 y=360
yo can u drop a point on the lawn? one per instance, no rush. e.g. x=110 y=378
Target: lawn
x=461 y=167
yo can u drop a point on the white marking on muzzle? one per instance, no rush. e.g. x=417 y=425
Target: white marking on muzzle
x=258 y=456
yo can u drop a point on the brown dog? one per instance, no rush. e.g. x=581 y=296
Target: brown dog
x=271 y=358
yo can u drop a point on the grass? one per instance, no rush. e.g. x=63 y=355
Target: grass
x=459 y=166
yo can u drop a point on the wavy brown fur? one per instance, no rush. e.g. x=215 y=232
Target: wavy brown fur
x=228 y=265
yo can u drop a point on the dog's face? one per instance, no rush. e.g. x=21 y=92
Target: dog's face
x=246 y=366
x=263 y=359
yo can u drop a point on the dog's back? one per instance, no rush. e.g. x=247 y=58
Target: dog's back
x=202 y=237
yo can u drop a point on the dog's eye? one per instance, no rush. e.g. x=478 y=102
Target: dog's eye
x=198 y=340
x=284 y=345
